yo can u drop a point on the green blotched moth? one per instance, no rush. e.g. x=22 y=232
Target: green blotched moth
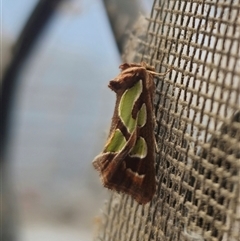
x=127 y=162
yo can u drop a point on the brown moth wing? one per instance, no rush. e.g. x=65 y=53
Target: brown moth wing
x=120 y=171
x=109 y=163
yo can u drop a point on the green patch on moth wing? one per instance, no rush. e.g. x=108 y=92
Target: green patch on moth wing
x=140 y=149
x=116 y=142
x=126 y=105
x=142 y=116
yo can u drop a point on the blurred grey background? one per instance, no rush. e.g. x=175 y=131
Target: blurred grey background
x=59 y=120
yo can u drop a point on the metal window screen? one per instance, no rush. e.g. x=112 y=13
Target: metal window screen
x=198 y=127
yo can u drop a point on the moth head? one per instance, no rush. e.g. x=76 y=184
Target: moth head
x=142 y=64
x=148 y=67
x=125 y=66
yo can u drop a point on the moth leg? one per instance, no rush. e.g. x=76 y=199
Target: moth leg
x=154 y=120
x=155 y=139
x=156 y=145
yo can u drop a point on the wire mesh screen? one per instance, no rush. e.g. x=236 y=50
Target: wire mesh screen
x=197 y=108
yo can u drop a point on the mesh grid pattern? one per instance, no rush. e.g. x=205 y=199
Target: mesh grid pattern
x=198 y=127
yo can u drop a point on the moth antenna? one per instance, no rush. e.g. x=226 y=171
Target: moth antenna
x=160 y=74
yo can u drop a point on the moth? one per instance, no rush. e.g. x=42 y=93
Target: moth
x=127 y=162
